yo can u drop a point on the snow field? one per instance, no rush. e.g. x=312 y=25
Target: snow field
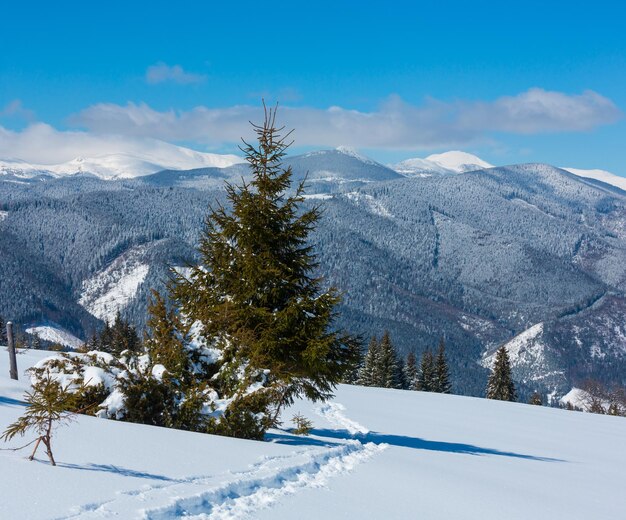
x=266 y=484
x=372 y=454
x=114 y=469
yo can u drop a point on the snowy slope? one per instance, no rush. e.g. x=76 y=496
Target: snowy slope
x=600 y=175
x=459 y=162
x=339 y=166
x=448 y=163
x=373 y=454
x=55 y=334
x=110 y=290
x=417 y=167
x=532 y=361
x=122 y=165
x=577 y=397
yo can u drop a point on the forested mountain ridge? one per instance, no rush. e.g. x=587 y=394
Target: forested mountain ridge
x=478 y=257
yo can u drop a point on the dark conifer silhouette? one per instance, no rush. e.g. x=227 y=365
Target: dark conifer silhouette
x=500 y=385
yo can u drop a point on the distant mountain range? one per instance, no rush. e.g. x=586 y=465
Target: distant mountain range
x=324 y=165
x=529 y=255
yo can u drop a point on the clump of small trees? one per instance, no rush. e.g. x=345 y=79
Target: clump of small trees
x=115 y=338
x=382 y=367
x=597 y=398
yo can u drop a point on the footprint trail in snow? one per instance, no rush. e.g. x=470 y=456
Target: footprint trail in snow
x=239 y=494
x=334 y=414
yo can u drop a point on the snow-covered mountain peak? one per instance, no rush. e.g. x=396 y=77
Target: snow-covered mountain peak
x=123 y=165
x=18 y=168
x=448 y=163
x=458 y=161
x=346 y=150
x=417 y=167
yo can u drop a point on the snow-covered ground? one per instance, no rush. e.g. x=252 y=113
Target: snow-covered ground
x=373 y=454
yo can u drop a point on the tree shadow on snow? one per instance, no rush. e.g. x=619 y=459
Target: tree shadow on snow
x=125 y=472
x=424 y=444
x=11 y=401
x=298 y=440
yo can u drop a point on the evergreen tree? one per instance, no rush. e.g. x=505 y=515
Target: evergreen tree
x=426 y=377
x=614 y=409
x=92 y=343
x=441 y=381
x=389 y=365
x=500 y=385
x=404 y=383
x=536 y=399
x=410 y=372
x=254 y=294
x=119 y=337
x=47 y=405
x=166 y=339
x=369 y=375
x=353 y=375
x=596 y=406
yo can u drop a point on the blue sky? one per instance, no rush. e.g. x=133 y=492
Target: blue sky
x=512 y=82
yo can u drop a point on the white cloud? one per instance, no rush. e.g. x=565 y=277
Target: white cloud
x=40 y=143
x=141 y=130
x=395 y=125
x=162 y=72
x=537 y=111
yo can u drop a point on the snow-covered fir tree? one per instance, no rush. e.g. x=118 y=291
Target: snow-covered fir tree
x=500 y=385
x=411 y=372
x=254 y=297
x=381 y=366
x=441 y=382
x=426 y=377
x=389 y=364
x=36 y=343
x=369 y=374
x=118 y=337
